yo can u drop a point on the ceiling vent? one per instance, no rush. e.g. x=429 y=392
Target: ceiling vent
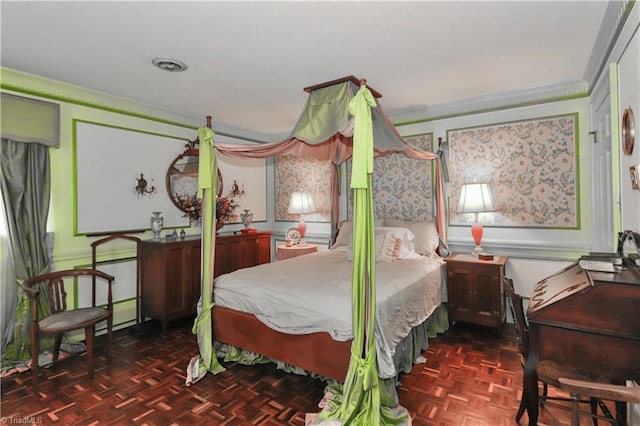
x=170 y=65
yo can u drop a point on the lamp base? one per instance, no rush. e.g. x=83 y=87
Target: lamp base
x=302 y=230
x=477 y=251
x=476 y=233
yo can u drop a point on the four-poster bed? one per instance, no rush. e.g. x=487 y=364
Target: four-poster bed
x=317 y=352
x=298 y=311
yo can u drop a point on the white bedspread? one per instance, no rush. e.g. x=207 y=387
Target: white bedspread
x=312 y=293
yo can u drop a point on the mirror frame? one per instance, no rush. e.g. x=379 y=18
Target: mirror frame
x=190 y=151
x=628 y=131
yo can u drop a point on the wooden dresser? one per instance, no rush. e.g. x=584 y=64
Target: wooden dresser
x=171 y=270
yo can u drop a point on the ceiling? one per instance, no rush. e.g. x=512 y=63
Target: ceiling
x=248 y=62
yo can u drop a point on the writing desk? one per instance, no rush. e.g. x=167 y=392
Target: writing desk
x=587 y=319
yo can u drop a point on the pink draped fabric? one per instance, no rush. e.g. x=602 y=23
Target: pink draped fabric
x=337 y=149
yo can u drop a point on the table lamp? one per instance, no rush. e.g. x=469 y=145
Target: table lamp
x=301 y=203
x=476 y=198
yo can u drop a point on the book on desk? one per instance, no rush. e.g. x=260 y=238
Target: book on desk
x=601 y=262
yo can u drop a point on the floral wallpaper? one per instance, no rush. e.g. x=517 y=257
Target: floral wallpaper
x=306 y=174
x=402 y=186
x=531 y=166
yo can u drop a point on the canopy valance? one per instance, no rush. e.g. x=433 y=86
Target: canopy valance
x=324 y=131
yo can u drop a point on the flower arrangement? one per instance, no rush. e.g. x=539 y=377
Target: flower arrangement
x=225 y=206
x=191 y=205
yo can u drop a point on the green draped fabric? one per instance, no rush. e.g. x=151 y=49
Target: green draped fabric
x=26 y=190
x=325 y=114
x=322 y=132
x=364 y=401
x=202 y=327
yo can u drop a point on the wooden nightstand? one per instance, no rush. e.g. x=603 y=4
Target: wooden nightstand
x=475 y=290
x=287 y=252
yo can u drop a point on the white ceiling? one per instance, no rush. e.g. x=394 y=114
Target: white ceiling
x=249 y=61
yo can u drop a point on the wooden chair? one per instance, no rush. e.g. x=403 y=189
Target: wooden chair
x=62 y=319
x=578 y=388
x=137 y=241
x=548 y=372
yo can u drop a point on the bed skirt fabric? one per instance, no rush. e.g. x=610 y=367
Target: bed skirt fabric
x=407 y=352
x=412 y=346
x=312 y=294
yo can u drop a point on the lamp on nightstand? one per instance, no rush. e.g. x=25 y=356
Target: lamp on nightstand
x=301 y=203
x=476 y=198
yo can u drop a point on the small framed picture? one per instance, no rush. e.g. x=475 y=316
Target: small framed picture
x=635 y=176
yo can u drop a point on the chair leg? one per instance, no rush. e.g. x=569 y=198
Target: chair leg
x=35 y=349
x=521 y=408
x=575 y=409
x=56 y=347
x=89 y=334
x=109 y=337
x=593 y=402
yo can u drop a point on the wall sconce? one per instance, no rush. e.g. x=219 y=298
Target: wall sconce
x=301 y=203
x=476 y=198
x=142 y=188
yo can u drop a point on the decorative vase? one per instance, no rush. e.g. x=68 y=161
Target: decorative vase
x=247 y=218
x=157 y=223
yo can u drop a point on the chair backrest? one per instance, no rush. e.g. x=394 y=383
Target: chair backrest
x=517 y=311
x=138 y=242
x=52 y=284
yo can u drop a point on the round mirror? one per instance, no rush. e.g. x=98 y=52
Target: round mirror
x=628 y=131
x=182 y=179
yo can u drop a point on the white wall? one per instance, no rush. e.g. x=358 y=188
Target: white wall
x=629 y=96
x=628 y=65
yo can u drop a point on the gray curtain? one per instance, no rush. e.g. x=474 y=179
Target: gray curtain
x=8 y=289
x=26 y=188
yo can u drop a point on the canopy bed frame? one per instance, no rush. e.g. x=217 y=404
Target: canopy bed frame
x=316 y=352
x=301 y=350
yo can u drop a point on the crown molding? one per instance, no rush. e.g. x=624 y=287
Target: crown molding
x=605 y=48
x=490 y=103
x=20 y=82
x=612 y=26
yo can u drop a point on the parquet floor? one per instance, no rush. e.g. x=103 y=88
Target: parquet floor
x=472 y=376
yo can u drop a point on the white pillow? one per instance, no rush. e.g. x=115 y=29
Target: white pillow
x=344 y=237
x=345 y=234
x=387 y=247
x=407 y=246
x=426 y=235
